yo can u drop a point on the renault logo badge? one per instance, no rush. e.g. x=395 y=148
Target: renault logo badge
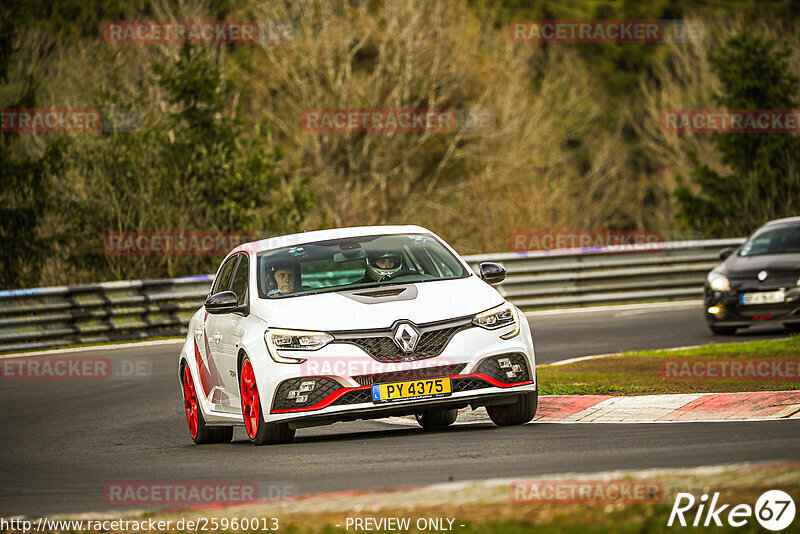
x=406 y=337
x=762 y=276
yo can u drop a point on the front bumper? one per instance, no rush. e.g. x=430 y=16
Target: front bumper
x=488 y=384
x=356 y=413
x=342 y=393
x=733 y=314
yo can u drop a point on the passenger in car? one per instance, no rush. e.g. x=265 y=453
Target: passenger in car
x=283 y=278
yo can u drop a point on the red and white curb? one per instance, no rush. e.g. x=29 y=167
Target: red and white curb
x=671 y=408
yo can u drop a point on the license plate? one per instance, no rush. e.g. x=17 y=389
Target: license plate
x=764 y=297
x=429 y=388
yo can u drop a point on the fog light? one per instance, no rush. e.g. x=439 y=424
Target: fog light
x=307 y=386
x=292 y=394
x=714 y=310
x=301 y=399
x=511 y=374
x=505 y=363
x=517 y=368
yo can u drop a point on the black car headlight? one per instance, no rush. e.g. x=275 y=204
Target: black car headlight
x=718 y=281
x=503 y=315
x=301 y=340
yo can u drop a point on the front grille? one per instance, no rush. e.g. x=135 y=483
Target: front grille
x=491 y=367
x=357 y=396
x=410 y=374
x=380 y=345
x=325 y=386
x=322 y=388
x=468 y=384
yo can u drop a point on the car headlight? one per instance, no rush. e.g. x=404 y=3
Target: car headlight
x=282 y=339
x=719 y=282
x=503 y=315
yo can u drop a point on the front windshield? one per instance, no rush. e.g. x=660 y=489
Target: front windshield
x=773 y=240
x=356 y=262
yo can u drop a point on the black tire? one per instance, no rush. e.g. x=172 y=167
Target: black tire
x=518 y=413
x=722 y=330
x=265 y=433
x=431 y=419
x=212 y=434
x=205 y=434
x=273 y=433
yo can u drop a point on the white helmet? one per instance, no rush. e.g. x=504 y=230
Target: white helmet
x=379 y=273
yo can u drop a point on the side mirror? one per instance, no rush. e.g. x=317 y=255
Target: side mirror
x=492 y=273
x=222 y=302
x=725 y=253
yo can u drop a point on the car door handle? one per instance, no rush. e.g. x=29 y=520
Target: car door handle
x=216 y=337
x=198 y=331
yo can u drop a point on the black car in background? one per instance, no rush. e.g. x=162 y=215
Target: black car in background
x=757 y=284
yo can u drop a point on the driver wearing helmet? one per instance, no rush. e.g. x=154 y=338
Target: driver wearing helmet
x=283 y=278
x=382 y=265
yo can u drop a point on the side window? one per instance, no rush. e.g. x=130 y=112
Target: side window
x=240 y=280
x=224 y=277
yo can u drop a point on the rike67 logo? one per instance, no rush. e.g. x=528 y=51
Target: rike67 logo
x=774 y=510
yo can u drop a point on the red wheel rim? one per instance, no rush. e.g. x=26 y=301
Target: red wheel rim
x=251 y=408
x=190 y=400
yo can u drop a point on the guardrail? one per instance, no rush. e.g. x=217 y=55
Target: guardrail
x=126 y=310
x=610 y=275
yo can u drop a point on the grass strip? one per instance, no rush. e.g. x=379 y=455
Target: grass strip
x=646 y=372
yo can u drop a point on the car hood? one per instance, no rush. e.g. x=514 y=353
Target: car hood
x=749 y=266
x=421 y=303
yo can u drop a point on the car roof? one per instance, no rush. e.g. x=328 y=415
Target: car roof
x=784 y=220
x=290 y=240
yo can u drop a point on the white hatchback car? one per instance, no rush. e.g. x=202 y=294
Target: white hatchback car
x=353 y=323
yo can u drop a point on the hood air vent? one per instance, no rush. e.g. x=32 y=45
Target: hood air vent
x=383 y=294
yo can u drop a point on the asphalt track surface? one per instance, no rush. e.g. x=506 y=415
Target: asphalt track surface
x=562 y=334
x=63 y=441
